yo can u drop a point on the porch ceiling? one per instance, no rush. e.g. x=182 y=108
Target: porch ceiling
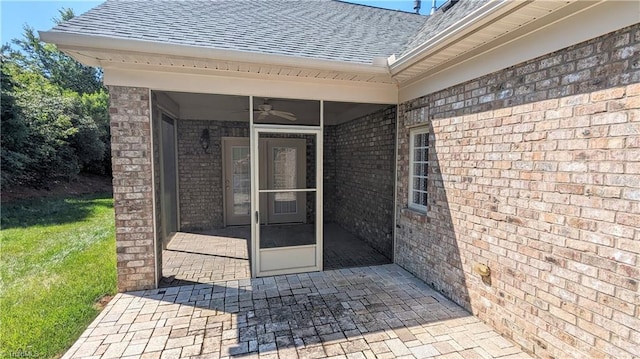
x=198 y=106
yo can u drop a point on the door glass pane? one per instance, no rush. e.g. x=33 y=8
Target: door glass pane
x=241 y=180
x=285 y=203
x=285 y=177
x=284 y=167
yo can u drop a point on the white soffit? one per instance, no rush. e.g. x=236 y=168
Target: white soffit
x=115 y=52
x=297 y=78
x=502 y=19
x=574 y=22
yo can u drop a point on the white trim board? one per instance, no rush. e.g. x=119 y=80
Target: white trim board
x=157 y=270
x=593 y=22
x=328 y=90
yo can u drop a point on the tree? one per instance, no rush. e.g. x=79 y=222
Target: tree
x=14 y=139
x=53 y=64
x=95 y=107
x=54 y=114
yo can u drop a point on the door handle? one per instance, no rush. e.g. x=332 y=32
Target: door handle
x=257 y=217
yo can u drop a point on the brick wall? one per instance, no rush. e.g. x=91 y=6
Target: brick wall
x=200 y=172
x=132 y=187
x=362 y=198
x=329 y=173
x=536 y=173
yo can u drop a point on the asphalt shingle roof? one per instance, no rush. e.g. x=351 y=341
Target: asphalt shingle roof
x=320 y=29
x=440 y=21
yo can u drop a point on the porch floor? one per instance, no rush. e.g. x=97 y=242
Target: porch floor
x=367 y=312
x=223 y=254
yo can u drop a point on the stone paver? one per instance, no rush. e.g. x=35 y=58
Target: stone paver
x=192 y=258
x=223 y=254
x=344 y=250
x=366 y=312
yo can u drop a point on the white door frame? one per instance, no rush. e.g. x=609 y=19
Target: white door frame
x=304 y=258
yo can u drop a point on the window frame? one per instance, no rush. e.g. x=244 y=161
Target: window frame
x=412 y=133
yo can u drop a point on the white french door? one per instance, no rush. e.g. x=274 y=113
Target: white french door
x=283 y=166
x=237 y=181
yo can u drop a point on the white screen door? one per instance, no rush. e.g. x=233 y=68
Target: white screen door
x=284 y=166
x=288 y=167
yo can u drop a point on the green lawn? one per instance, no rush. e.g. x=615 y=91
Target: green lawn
x=57 y=258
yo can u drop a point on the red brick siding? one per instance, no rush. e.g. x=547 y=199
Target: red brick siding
x=364 y=173
x=200 y=173
x=132 y=187
x=536 y=174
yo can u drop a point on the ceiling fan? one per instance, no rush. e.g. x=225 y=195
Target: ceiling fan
x=266 y=110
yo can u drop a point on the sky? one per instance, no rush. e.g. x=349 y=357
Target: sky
x=14 y=14
x=37 y=14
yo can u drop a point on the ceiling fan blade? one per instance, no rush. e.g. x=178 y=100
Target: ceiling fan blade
x=263 y=115
x=286 y=115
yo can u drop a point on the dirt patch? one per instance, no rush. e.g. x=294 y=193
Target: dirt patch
x=82 y=185
x=102 y=302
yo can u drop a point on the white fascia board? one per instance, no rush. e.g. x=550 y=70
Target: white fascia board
x=597 y=20
x=481 y=16
x=71 y=40
x=247 y=85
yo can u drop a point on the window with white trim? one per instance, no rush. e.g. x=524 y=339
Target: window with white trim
x=418 y=168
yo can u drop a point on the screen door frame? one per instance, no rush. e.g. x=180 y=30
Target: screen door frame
x=292 y=259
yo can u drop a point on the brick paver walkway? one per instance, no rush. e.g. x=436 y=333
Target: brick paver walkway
x=368 y=312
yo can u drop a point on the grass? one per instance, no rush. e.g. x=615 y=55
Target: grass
x=57 y=258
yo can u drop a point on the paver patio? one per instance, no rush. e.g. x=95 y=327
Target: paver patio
x=368 y=312
x=223 y=254
x=204 y=258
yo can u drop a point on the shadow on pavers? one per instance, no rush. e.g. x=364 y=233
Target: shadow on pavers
x=297 y=311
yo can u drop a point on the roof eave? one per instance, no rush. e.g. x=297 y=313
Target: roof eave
x=74 y=40
x=465 y=25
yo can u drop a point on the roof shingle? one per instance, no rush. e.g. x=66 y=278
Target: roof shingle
x=321 y=29
x=440 y=21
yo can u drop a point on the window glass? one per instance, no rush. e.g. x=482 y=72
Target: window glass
x=419 y=166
